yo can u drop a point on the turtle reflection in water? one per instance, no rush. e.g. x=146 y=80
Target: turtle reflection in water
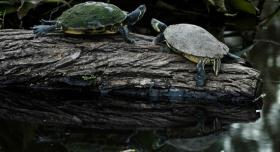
x=93 y=18
x=195 y=44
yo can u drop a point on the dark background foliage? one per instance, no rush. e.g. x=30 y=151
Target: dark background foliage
x=27 y=13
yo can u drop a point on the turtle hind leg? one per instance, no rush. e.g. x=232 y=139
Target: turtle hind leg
x=200 y=76
x=124 y=32
x=158 y=39
x=40 y=30
x=216 y=66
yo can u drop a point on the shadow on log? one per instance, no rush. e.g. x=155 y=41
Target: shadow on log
x=111 y=67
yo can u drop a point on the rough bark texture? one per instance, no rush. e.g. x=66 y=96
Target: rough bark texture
x=110 y=66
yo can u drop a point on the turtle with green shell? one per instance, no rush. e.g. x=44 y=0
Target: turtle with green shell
x=194 y=43
x=93 y=18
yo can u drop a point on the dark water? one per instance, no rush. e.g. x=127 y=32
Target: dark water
x=262 y=135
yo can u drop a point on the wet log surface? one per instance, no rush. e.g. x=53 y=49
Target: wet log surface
x=107 y=65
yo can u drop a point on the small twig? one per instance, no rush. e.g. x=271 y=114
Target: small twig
x=268 y=18
x=260 y=97
x=267 y=41
x=260 y=5
x=2 y=19
x=57 y=8
x=175 y=10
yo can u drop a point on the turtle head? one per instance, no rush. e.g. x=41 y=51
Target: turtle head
x=136 y=15
x=158 y=25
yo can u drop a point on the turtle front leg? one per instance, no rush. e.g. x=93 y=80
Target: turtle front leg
x=124 y=32
x=159 y=38
x=200 y=76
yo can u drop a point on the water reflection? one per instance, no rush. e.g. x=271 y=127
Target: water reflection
x=31 y=138
x=262 y=135
x=180 y=126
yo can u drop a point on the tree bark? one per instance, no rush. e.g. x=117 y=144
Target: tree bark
x=109 y=66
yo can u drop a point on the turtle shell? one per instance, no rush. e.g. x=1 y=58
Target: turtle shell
x=193 y=40
x=92 y=15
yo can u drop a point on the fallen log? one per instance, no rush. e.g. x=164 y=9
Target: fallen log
x=107 y=65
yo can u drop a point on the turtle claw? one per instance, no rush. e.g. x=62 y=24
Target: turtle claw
x=130 y=41
x=124 y=32
x=158 y=39
x=39 y=30
x=217 y=66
